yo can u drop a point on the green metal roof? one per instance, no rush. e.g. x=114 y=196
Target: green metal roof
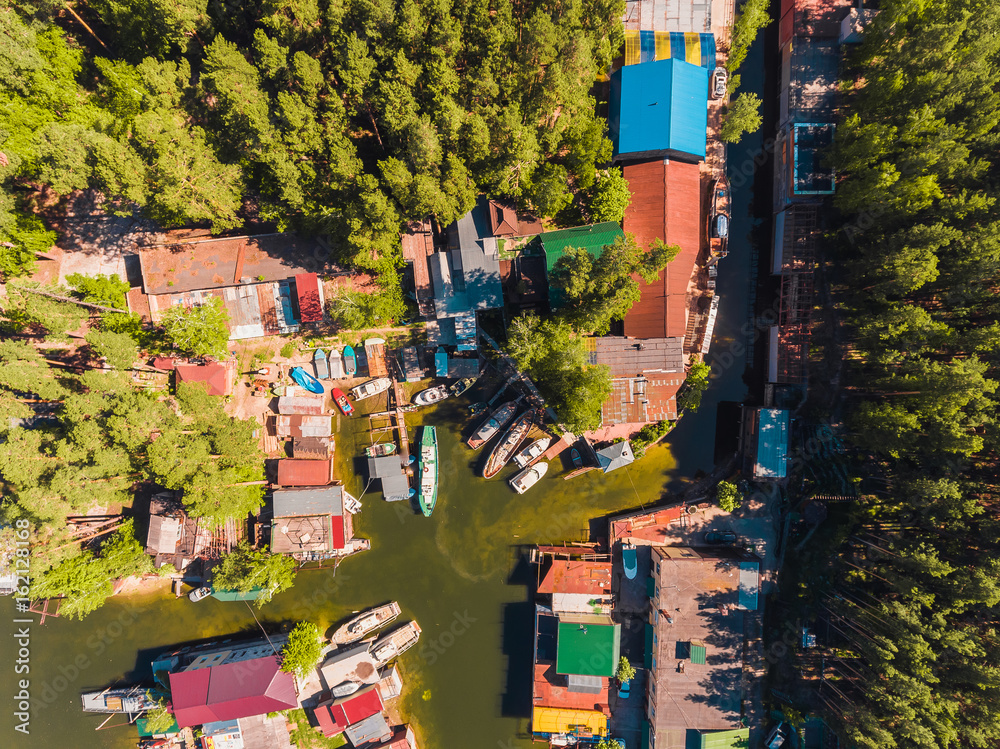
x=698 y=654
x=593 y=239
x=588 y=649
x=736 y=739
x=233 y=595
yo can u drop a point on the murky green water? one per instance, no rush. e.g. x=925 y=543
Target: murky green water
x=451 y=572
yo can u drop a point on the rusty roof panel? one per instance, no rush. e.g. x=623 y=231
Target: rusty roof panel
x=666 y=205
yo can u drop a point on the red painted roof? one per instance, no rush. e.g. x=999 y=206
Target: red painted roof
x=551 y=690
x=666 y=205
x=334 y=717
x=339 y=537
x=569 y=576
x=163 y=362
x=231 y=691
x=310 y=304
x=214 y=374
x=292 y=472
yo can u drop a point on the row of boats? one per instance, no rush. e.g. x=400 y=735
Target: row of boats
x=383 y=649
x=507 y=447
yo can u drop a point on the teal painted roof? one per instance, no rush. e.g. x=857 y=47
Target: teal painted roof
x=736 y=739
x=772 y=444
x=233 y=595
x=593 y=239
x=588 y=649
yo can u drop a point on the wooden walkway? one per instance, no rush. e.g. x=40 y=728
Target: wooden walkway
x=404 y=439
x=561 y=444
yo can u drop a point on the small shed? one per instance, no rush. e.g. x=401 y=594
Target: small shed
x=615 y=456
x=411 y=364
x=299 y=425
x=300 y=404
x=389 y=470
x=372 y=730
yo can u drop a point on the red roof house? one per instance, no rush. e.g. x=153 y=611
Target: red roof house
x=336 y=715
x=310 y=295
x=292 y=472
x=217 y=376
x=231 y=691
x=666 y=205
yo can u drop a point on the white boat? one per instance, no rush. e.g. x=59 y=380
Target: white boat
x=352 y=504
x=345 y=689
x=129 y=700
x=431 y=395
x=395 y=643
x=528 y=477
x=365 y=623
x=532 y=451
x=370 y=388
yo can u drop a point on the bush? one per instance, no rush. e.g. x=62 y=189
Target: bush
x=625 y=672
x=288 y=350
x=694 y=387
x=728 y=496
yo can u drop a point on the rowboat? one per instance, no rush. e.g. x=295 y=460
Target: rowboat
x=428 y=471
x=431 y=395
x=319 y=362
x=365 y=623
x=350 y=362
x=306 y=380
x=493 y=424
x=528 y=477
x=345 y=689
x=370 y=388
x=461 y=386
x=341 y=400
x=511 y=440
x=718 y=220
x=381 y=449
x=532 y=451
x=395 y=643
x=575 y=456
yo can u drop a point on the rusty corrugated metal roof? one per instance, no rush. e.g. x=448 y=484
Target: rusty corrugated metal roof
x=666 y=205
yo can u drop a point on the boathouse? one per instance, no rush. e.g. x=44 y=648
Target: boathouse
x=310 y=522
x=694 y=645
x=389 y=470
x=617 y=455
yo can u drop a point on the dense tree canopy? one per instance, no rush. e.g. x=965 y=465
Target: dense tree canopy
x=343 y=118
x=910 y=586
x=244 y=570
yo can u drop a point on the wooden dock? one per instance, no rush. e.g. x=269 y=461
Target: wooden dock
x=375 y=354
x=561 y=444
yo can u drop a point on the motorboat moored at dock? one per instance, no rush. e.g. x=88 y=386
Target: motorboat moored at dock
x=528 y=477
x=511 y=440
x=431 y=395
x=428 y=476
x=395 y=643
x=365 y=623
x=493 y=424
x=371 y=388
x=532 y=451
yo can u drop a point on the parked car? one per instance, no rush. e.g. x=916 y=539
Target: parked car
x=198 y=593
x=623 y=691
x=720 y=537
x=720 y=79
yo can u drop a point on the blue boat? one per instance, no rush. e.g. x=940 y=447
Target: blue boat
x=306 y=380
x=319 y=362
x=350 y=361
x=630 y=561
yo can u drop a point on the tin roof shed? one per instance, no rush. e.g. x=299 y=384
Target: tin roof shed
x=325 y=500
x=293 y=472
x=659 y=108
x=772 y=444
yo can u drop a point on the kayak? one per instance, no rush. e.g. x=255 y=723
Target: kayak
x=306 y=380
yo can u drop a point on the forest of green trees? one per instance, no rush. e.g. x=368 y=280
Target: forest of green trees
x=911 y=586
x=345 y=118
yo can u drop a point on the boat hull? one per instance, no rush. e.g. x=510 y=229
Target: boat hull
x=427 y=496
x=306 y=380
x=365 y=623
x=528 y=477
x=431 y=396
x=371 y=388
x=320 y=363
x=501 y=416
x=508 y=445
x=350 y=362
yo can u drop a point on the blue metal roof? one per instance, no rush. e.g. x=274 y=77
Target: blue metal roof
x=772 y=444
x=659 y=108
x=441 y=362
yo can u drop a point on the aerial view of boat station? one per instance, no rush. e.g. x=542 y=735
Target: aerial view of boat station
x=612 y=375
